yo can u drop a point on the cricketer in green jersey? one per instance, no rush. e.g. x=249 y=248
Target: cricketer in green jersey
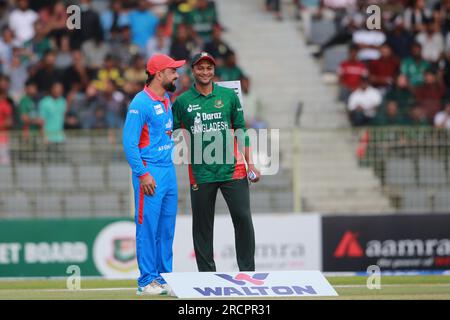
x=204 y=109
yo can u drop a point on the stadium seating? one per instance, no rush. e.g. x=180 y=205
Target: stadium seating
x=431 y=172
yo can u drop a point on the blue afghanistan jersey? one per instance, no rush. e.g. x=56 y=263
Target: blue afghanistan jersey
x=147 y=131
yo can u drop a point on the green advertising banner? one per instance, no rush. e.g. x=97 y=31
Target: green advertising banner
x=46 y=248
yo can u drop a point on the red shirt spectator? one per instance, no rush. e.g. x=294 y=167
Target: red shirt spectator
x=6 y=120
x=350 y=71
x=429 y=95
x=383 y=71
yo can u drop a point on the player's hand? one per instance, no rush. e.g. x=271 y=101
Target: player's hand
x=148 y=185
x=256 y=171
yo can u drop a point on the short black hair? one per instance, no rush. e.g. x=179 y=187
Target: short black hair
x=150 y=78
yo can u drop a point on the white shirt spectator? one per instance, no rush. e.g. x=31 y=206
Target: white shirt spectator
x=365 y=37
x=368 y=99
x=442 y=119
x=432 y=45
x=22 y=23
x=340 y=4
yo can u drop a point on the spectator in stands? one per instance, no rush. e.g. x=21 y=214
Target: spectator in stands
x=274 y=6
x=414 y=66
x=217 y=47
x=76 y=76
x=160 y=43
x=230 y=70
x=399 y=39
x=64 y=55
x=253 y=107
x=6 y=120
x=363 y=103
x=95 y=51
x=143 y=24
x=429 y=95
x=383 y=70
x=52 y=109
x=178 y=13
x=100 y=119
x=18 y=75
x=4 y=14
x=71 y=121
x=401 y=94
x=134 y=72
x=415 y=16
x=83 y=105
x=417 y=117
x=113 y=100
x=202 y=19
x=341 y=4
x=160 y=7
x=444 y=72
x=442 y=118
x=91 y=26
x=368 y=42
x=57 y=24
x=432 y=42
x=389 y=115
x=124 y=49
x=35 y=48
x=46 y=73
x=7 y=43
x=344 y=35
x=114 y=19
x=21 y=21
x=32 y=124
x=109 y=71
x=313 y=10
x=441 y=13
x=183 y=45
x=350 y=72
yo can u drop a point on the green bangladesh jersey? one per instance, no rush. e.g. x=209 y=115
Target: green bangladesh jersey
x=212 y=123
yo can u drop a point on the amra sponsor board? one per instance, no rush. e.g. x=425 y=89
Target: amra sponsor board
x=283 y=242
x=393 y=242
x=46 y=248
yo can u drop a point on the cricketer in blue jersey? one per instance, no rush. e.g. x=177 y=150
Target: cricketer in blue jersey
x=148 y=148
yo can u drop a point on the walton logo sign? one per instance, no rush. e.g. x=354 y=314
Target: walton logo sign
x=241 y=278
x=249 y=284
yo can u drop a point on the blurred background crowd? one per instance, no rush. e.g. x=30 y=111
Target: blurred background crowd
x=394 y=73
x=53 y=78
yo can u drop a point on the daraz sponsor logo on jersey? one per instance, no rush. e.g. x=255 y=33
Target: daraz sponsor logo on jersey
x=252 y=285
x=200 y=127
x=193 y=107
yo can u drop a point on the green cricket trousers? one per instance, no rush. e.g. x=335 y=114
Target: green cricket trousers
x=203 y=200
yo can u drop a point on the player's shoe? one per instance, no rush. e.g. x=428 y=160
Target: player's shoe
x=154 y=288
x=170 y=292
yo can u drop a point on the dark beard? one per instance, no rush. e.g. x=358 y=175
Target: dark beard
x=169 y=87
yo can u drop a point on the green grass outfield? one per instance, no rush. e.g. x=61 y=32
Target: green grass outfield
x=349 y=288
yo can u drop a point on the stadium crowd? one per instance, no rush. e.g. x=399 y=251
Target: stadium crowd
x=397 y=74
x=54 y=78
